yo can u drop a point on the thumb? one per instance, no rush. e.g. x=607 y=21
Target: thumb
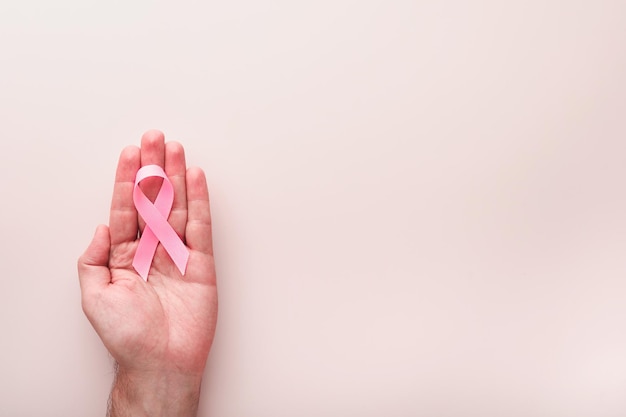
x=93 y=265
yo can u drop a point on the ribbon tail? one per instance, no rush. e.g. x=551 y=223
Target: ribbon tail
x=179 y=254
x=174 y=246
x=145 y=253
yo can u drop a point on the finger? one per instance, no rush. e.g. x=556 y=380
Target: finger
x=176 y=168
x=198 y=232
x=123 y=216
x=152 y=153
x=93 y=264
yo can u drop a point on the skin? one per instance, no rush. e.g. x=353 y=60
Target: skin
x=159 y=332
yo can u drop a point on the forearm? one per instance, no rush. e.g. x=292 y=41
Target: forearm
x=154 y=394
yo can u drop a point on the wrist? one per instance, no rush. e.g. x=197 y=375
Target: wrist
x=154 y=394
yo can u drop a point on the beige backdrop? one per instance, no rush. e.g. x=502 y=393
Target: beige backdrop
x=419 y=206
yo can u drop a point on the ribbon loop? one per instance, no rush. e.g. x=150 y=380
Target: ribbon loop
x=157 y=227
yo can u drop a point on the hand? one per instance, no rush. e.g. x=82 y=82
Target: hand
x=159 y=332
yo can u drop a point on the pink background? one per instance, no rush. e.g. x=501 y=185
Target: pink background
x=419 y=207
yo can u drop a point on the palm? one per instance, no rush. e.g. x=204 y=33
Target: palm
x=168 y=321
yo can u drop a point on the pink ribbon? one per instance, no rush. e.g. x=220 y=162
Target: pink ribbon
x=157 y=228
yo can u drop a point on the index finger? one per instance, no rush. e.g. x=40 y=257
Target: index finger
x=123 y=216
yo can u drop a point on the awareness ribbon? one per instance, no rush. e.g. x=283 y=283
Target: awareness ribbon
x=157 y=228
